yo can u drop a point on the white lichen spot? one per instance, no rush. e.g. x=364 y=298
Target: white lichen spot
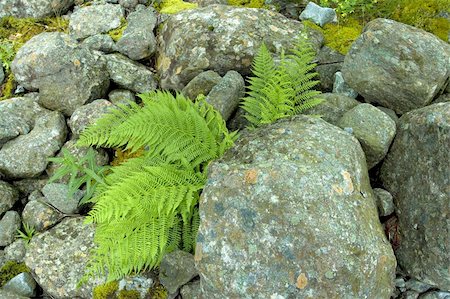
x=226 y=254
x=274 y=28
x=274 y=199
x=276 y=296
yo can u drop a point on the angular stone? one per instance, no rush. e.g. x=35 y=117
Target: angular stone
x=100 y=42
x=9 y=224
x=34 y=8
x=319 y=15
x=288 y=212
x=221 y=38
x=225 y=96
x=121 y=96
x=15 y=251
x=40 y=215
x=28 y=186
x=22 y=284
x=373 y=128
x=191 y=290
x=4 y=294
x=201 y=84
x=435 y=295
x=66 y=73
x=341 y=87
x=416 y=173
x=8 y=196
x=138 y=41
x=329 y=62
x=129 y=74
x=56 y=194
x=417 y=286
x=57 y=259
x=87 y=115
x=397 y=66
x=177 y=268
x=95 y=19
x=46 y=138
x=385 y=202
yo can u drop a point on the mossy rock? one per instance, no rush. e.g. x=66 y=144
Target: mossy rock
x=106 y=291
x=174 y=6
x=247 y=3
x=117 y=33
x=11 y=269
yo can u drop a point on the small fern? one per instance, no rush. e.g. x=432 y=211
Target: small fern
x=277 y=92
x=148 y=205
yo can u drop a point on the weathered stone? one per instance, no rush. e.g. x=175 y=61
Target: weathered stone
x=26 y=156
x=177 y=268
x=418 y=286
x=225 y=96
x=138 y=41
x=397 y=66
x=329 y=62
x=340 y=86
x=416 y=173
x=95 y=19
x=288 y=212
x=8 y=196
x=87 y=115
x=66 y=73
x=9 y=224
x=57 y=259
x=141 y=283
x=373 y=128
x=22 y=284
x=319 y=15
x=129 y=74
x=443 y=98
x=385 y=202
x=100 y=42
x=40 y=215
x=435 y=295
x=15 y=251
x=28 y=186
x=333 y=108
x=56 y=194
x=391 y=113
x=121 y=96
x=34 y=8
x=409 y=295
x=4 y=294
x=201 y=84
x=2 y=74
x=221 y=38
x=191 y=290
x=129 y=4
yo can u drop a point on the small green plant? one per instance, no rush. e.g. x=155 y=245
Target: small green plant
x=84 y=171
x=27 y=234
x=284 y=90
x=349 y=7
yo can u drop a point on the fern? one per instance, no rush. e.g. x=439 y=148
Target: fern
x=281 y=91
x=148 y=206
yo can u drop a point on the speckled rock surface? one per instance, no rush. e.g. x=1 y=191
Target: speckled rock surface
x=435 y=295
x=201 y=84
x=129 y=74
x=416 y=172
x=329 y=62
x=177 y=268
x=100 y=42
x=191 y=290
x=341 y=87
x=33 y=8
x=9 y=224
x=121 y=96
x=221 y=38
x=396 y=65
x=288 y=212
x=22 y=284
x=58 y=256
x=385 y=202
x=87 y=115
x=40 y=215
x=15 y=251
x=373 y=128
x=10 y=295
x=66 y=74
x=95 y=19
x=56 y=194
x=46 y=138
x=319 y=15
x=8 y=196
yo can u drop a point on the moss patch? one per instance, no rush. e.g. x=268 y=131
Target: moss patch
x=128 y=294
x=11 y=269
x=175 y=6
x=117 y=33
x=158 y=292
x=247 y=3
x=106 y=291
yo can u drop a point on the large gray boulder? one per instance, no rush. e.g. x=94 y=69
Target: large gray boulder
x=26 y=156
x=221 y=38
x=397 y=66
x=288 y=212
x=57 y=259
x=66 y=74
x=34 y=8
x=416 y=172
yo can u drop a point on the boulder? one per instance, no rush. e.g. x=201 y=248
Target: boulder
x=397 y=66
x=201 y=84
x=26 y=156
x=95 y=19
x=8 y=196
x=56 y=194
x=100 y=42
x=58 y=256
x=329 y=62
x=66 y=74
x=416 y=172
x=121 y=96
x=288 y=212
x=22 y=284
x=319 y=15
x=221 y=38
x=87 y=115
x=9 y=224
x=40 y=215
x=177 y=268
x=15 y=251
x=34 y=8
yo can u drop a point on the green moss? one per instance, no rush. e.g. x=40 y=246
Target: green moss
x=117 y=33
x=158 y=292
x=11 y=269
x=175 y=6
x=247 y=3
x=128 y=294
x=7 y=88
x=106 y=291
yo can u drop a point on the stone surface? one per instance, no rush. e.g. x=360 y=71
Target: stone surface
x=226 y=94
x=391 y=113
x=141 y=283
x=418 y=286
x=15 y=251
x=40 y=215
x=329 y=62
x=177 y=268
x=129 y=74
x=443 y=98
x=385 y=202
x=319 y=15
x=333 y=108
x=435 y=295
x=10 y=295
x=121 y=96
x=28 y=186
x=56 y=194
x=58 y=256
x=191 y=290
x=373 y=128
x=2 y=74
x=100 y=42
x=34 y=8
x=9 y=224
x=8 y=196
x=22 y=284
x=288 y=212
x=46 y=138
x=87 y=115
x=397 y=66
x=95 y=19
x=129 y=4
x=341 y=87
x=416 y=173
x=138 y=41
x=201 y=84
x=66 y=74
x=221 y=38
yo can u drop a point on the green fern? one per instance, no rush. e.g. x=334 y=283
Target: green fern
x=281 y=91
x=148 y=206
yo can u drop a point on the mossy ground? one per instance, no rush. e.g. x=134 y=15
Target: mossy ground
x=11 y=269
